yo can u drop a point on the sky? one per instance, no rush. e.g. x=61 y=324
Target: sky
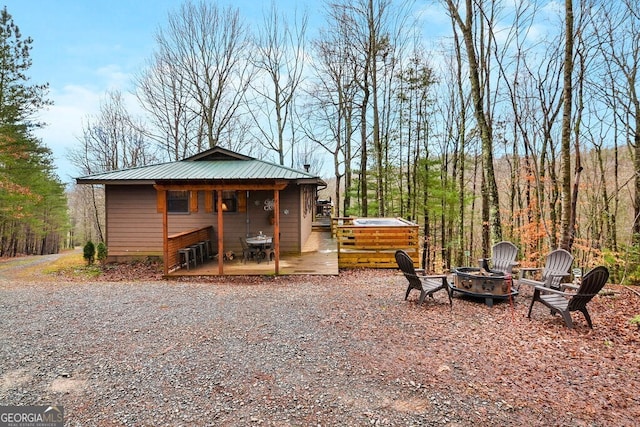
x=84 y=48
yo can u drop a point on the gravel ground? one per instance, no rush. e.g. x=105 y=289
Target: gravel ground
x=309 y=351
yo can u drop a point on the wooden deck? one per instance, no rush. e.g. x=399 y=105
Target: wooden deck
x=319 y=257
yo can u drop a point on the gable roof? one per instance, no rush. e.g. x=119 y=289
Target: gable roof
x=213 y=164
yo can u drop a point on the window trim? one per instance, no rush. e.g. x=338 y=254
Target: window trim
x=173 y=199
x=232 y=201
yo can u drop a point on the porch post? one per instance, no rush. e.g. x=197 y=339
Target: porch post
x=220 y=233
x=276 y=229
x=165 y=239
x=161 y=196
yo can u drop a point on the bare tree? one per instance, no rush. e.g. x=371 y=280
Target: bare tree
x=86 y=210
x=279 y=58
x=490 y=200
x=331 y=120
x=371 y=32
x=567 y=106
x=532 y=86
x=619 y=38
x=164 y=92
x=111 y=140
x=210 y=48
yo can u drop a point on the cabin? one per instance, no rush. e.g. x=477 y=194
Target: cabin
x=217 y=196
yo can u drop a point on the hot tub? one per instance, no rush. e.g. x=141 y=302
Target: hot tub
x=373 y=242
x=381 y=222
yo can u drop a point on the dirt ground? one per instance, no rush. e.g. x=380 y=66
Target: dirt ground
x=127 y=348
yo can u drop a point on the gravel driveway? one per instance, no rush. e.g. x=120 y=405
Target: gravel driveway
x=291 y=351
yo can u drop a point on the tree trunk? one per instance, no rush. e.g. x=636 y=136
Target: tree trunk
x=490 y=198
x=567 y=199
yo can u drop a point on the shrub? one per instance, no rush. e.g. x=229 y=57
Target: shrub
x=89 y=252
x=102 y=253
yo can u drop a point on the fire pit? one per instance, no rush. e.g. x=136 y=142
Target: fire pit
x=481 y=283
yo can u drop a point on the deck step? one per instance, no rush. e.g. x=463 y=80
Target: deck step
x=316 y=226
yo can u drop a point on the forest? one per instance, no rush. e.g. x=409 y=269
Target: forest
x=480 y=120
x=33 y=204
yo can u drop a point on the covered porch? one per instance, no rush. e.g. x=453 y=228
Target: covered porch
x=173 y=244
x=319 y=256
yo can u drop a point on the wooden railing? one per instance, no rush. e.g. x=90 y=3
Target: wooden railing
x=375 y=246
x=186 y=238
x=338 y=221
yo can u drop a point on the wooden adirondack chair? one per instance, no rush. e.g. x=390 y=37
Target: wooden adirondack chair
x=503 y=258
x=564 y=303
x=557 y=265
x=427 y=285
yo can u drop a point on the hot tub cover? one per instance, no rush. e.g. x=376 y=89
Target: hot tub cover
x=381 y=222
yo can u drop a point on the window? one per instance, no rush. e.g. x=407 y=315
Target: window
x=229 y=201
x=178 y=201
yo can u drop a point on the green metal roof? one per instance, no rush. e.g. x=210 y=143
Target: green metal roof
x=202 y=168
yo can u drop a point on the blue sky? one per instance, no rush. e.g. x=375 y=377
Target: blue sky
x=83 y=48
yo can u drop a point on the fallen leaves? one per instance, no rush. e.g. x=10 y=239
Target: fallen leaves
x=467 y=359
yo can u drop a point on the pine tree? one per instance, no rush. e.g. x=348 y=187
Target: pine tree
x=33 y=214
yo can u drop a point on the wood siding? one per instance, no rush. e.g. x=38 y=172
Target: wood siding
x=134 y=226
x=306 y=215
x=258 y=218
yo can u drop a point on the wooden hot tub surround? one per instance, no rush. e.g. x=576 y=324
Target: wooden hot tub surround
x=372 y=242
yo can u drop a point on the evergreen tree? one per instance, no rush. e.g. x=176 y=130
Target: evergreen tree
x=33 y=214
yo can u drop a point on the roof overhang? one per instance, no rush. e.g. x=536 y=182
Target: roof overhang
x=215 y=167
x=204 y=185
x=221 y=185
